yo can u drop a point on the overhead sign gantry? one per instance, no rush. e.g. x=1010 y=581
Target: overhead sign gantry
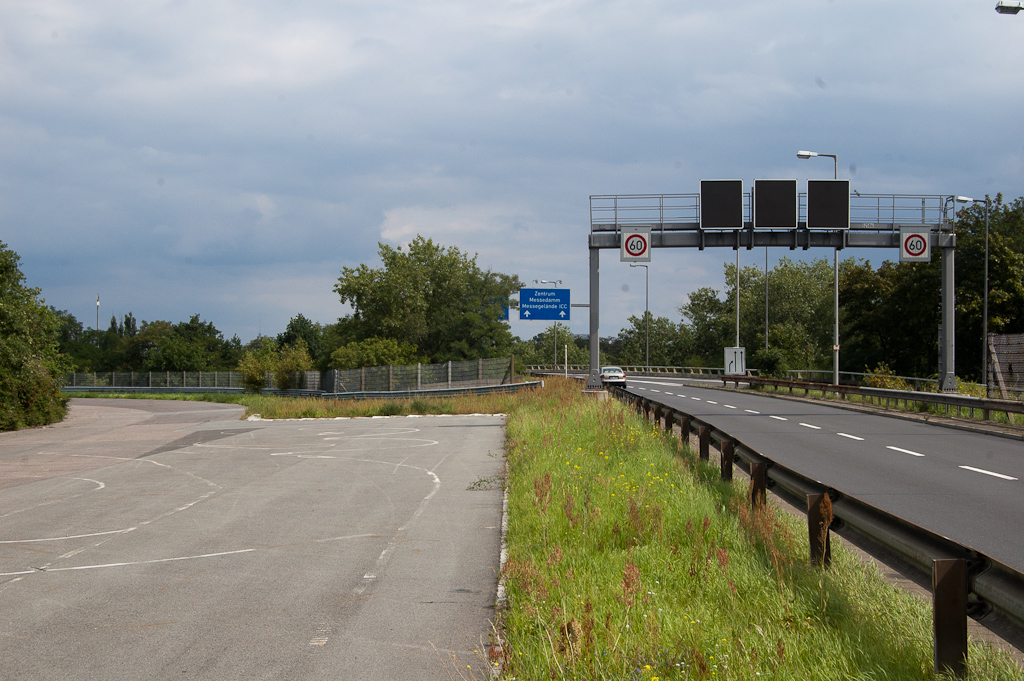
x=776 y=215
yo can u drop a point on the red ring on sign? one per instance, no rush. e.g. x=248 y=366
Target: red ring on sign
x=632 y=239
x=914 y=253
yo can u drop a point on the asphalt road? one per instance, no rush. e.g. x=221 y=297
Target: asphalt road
x=159 y=540
x=963 y=485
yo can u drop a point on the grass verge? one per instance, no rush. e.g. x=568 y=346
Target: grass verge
x=274 y=407
x=628 y=560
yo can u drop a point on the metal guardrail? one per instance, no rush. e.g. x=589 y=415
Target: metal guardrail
x=636 y=370
x=987 y=406
x=992 y=587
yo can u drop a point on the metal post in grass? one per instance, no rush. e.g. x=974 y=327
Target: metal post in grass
x=669 y=418
x=758 y=483
x=819 y=519
x=684 y=429
x=949 y=615
x=728 y=449
x=704 y=437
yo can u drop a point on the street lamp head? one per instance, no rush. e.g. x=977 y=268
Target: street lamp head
x=1009 y=7
x=964 y=199
x=806 y=154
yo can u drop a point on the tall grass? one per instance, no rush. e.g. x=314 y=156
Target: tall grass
x=628 y=561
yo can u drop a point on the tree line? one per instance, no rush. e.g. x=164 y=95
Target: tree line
x=431 y=303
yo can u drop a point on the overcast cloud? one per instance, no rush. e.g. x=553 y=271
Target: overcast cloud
x=229 y=158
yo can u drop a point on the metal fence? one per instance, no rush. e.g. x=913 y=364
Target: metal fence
x=393 y=378
x=1006 y=365
x=155 y=379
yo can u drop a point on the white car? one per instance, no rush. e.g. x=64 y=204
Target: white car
x=613 y=376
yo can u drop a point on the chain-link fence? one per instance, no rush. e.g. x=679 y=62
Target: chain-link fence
x=419 y=376
x=1006 y=366
x=155 y=379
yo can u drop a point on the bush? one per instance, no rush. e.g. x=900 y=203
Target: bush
x=30 y=363
x=290 y=360
x=258 y=361
x=771 y=362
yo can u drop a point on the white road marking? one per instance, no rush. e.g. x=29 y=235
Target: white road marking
x=136 y=562
x=695 y=398
x=852 y=437
x=808 y=425
x=905 y=451
x=982 y=470
x=751 y=411
x=728 y=406
x=76 y=536
x=778 y=418
x=712 y=402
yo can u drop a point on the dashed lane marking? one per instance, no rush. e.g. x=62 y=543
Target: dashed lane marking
x=985 y=472
x=808 y=425
x=778 y=418
x=905 y=451
x=852 y=437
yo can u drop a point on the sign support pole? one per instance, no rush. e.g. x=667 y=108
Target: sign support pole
x=594 y=378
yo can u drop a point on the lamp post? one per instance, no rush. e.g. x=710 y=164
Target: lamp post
x=1004 y=7
x=647 y=314
x=835 y=273
x=557 y=282
x=984 y=310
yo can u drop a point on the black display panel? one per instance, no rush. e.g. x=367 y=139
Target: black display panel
x=828 y=204
x=721 y=204
x=775 y=204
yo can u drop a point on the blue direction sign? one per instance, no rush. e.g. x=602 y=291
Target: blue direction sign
x=544 y=304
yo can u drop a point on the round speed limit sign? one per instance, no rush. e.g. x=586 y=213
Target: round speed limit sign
x=915 y=245
x=636 y=245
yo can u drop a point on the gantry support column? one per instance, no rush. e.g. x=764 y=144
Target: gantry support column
x=594 y=377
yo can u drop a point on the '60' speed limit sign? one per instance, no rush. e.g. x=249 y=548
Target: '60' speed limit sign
x=915 y=245
x=636 y=244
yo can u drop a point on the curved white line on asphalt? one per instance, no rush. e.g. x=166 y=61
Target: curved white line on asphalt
x=135 y=562
x=985 y=472
x=852 y=437
x=905 y=451
x=70 y=536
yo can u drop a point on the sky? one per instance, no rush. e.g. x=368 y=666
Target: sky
x=228 y=158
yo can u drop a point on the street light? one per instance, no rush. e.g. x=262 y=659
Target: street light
x=984 y=312
x=1009 y=7
x=647 y=314
x=835 y=272
x=557 y=282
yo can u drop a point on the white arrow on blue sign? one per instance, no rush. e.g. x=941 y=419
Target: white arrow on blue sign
x=544 y=304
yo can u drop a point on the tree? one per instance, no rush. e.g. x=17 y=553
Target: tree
x=706 y=321
x=665 y=342
x=31 y=365
x=433 y=297
x=373 y=352
x=311 y=333
x=258 y=359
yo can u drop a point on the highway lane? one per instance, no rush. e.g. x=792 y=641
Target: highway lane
x=966 y=486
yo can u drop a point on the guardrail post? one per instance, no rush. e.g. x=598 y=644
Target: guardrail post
x=668 y=419
x=728 y=449
x=949 y=615
x=758 y=483
x=819 y=518
x=684 y=429
x=704 y=437
x=657 y=416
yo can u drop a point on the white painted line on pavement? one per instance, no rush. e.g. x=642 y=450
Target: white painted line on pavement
x=808 y=425
x=778 y=418
x=751 y=411
x=905 y=451
x=728 y=406
x=852 y=437
x=712 y=402
x=982 y=470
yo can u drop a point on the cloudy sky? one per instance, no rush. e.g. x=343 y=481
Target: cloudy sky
x=228 y=158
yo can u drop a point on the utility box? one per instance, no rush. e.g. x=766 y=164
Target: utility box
x=735 y=361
